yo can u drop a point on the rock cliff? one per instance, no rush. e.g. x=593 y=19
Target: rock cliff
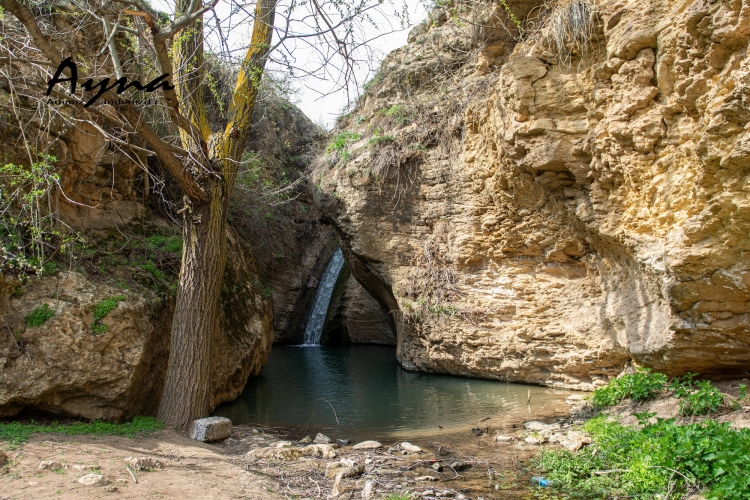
x=553 y=209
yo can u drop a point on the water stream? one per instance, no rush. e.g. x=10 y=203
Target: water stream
x=317 y=318
x=363 y=391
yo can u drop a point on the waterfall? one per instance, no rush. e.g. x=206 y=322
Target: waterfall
x=322 y=298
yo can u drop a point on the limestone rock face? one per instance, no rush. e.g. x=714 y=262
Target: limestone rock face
x=532 y=220
x=63 y=367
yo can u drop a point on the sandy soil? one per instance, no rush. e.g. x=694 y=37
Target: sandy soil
x=191 y=470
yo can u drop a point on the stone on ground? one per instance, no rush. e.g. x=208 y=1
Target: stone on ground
x=144 y=463
x=93 y=480
x=305 y=440
x=367 y=445
x=322 y=439
x=410 y=447
x=503 y=439
x=51 y=465
x=210 y=429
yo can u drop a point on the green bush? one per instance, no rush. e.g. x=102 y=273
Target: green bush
x=16 y=433
x=341 y=141
x=39 y=315
x=651 y=461
x=170 y=244
x=101 y=310
x=698 y=398
x=642 y=384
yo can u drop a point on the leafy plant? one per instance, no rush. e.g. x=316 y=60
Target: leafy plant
x=39 y=315
x=652 y=461
x=101 y=310
x=341 y=141
x=642 y=384
x=168 y=243
x=16 y=433
x=697 y=398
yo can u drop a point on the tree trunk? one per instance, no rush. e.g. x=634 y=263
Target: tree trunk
x=186 y=394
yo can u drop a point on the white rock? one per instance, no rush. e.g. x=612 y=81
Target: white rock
x=52 y=465
x=93 y=480
x=322 y=439
x=427 y=478
x=367 y=445
x=410 y=448
x=210 y=429
x=367 y=491
x=503 y=439
x=533 y=440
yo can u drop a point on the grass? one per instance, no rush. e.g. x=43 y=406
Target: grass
x=39 y=315
x=16 y=433
x=341 y=141
x=101 y=310
x=399 y=496
x=655 y=461
x=169 y=243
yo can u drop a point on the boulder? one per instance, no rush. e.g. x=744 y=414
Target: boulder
x=410 y=447
x=210 y=429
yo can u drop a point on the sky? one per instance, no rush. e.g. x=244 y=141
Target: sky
x=313 y=95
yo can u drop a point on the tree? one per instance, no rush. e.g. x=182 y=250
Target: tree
x=204 y=162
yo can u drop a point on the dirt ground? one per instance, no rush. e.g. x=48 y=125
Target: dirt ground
x=191 y=470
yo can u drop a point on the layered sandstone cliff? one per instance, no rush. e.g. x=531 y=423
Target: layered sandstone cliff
x=537 y=212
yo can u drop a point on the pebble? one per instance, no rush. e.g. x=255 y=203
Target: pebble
x=322 y=439
x=533 y=440
x=367 y=445
x=503 y=439
x=93 y=480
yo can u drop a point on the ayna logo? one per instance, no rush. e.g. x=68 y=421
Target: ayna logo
x=104 y=85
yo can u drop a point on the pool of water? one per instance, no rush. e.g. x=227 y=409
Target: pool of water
x=363 y=390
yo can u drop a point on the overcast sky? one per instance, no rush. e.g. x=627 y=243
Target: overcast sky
x=322 y=110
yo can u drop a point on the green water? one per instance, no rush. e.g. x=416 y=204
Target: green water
x=373 y=395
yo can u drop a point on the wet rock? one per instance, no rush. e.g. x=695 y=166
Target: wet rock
x=503 y=439
x=344 y=442
x=436 y=467
x=306 y=440
x=210 y=429
x=541 y=428
x=458 y=465
x=93 y=480
x=322 y=439
x=52 y=465
x=410 y=447
x=144 y=463
x=367 y=445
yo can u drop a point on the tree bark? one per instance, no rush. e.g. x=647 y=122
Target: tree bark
x=186 y=388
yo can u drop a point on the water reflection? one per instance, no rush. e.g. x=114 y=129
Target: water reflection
x=371 y=392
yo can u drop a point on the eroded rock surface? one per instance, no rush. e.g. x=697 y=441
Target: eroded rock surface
x=531 y=220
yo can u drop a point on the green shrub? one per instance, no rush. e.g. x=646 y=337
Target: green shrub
x=698 y=398
x=651 y=461
x=642 y=384
x=341 y=141
x=16 y=433
x=170 y=244
x=106 y=306
x=39 y=315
